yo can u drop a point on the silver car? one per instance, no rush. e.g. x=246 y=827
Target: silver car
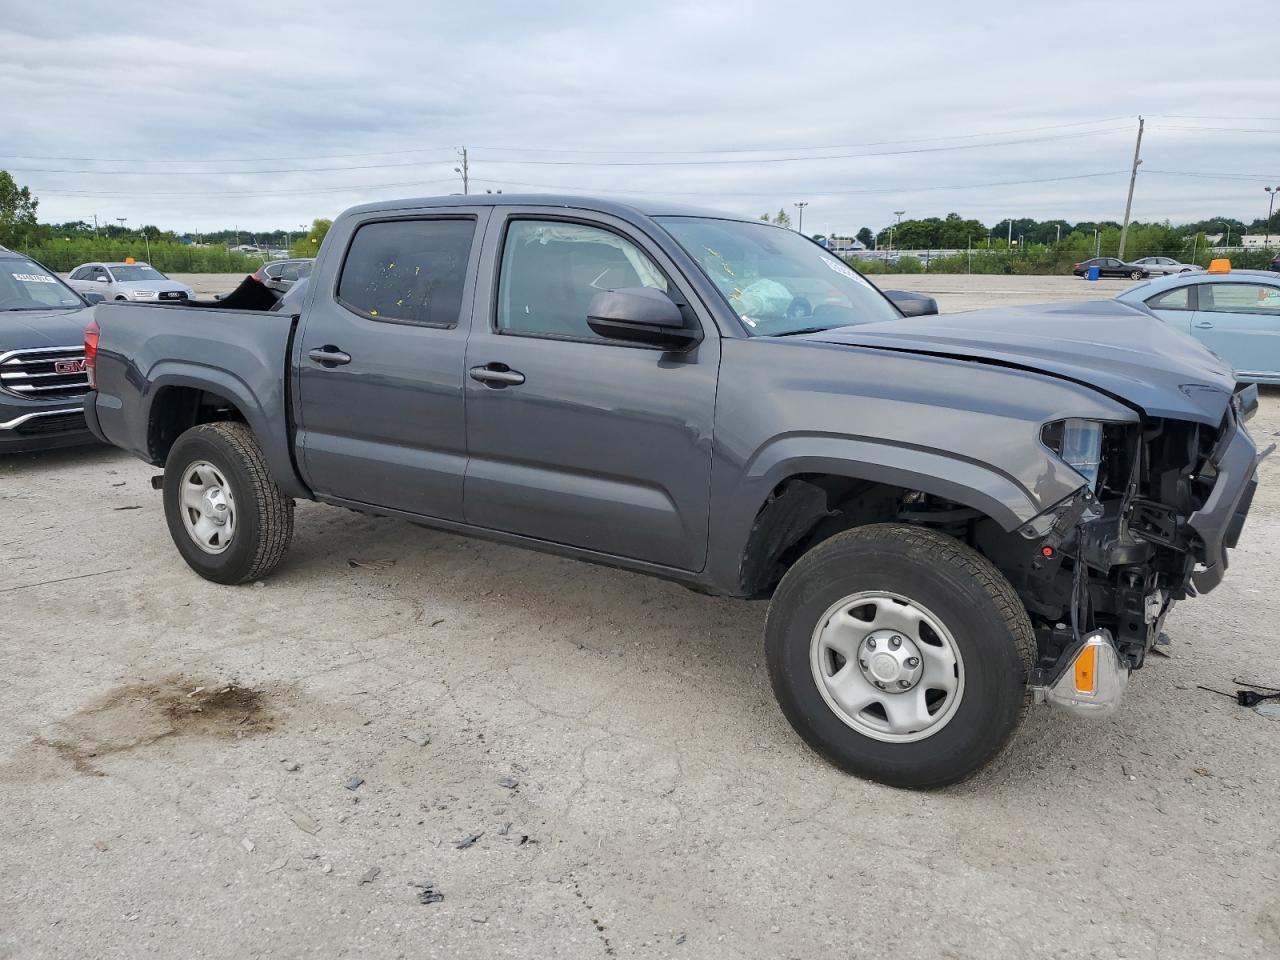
x=1165 y=266
x=128 y=281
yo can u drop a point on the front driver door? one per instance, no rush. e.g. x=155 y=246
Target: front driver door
x=1240 y=322
x=380 y=364
x=581 y=440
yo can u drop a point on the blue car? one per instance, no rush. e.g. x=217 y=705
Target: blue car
x=1236 y=315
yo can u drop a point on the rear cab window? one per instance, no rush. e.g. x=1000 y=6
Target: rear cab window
x=409 y=271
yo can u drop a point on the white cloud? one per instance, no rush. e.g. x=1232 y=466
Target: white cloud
x=138 y=82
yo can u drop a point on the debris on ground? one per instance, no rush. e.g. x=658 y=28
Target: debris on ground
x=509 y=782
x=371 y=564
x=247 y=844
x=278 y=865
x=418 y=739
x=133 y=506
x=292 y=766
x=468 y=841
x=303 y=820
x=354 y=783
x=327 y=868
x=427 y=892
x=437 y=622
x=504 y=829
x=1201 y=771
x=100 y=846
x=369 y=875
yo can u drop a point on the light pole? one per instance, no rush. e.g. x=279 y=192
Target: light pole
x=800 y=205
x=1227 y=241
x=1271 y=205
x=898 y=214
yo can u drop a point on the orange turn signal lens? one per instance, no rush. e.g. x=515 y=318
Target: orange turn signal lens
x=1087 y=670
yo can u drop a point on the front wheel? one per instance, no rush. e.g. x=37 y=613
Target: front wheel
x=226 y=515
x=900 y=654
x=1135 y=274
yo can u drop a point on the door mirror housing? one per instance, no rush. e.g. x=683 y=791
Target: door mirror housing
x=913 y=304
x=101 y=278
x=640 y=315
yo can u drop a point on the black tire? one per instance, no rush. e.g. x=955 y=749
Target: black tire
x=965 y=591
x=264 y=516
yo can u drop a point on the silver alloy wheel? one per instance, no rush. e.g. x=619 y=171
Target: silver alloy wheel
x=208 y=507
x=886 y=666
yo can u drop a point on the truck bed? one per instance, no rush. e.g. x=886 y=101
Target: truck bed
x=239 y=358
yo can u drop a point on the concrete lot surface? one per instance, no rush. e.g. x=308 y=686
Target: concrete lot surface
x=583 y=762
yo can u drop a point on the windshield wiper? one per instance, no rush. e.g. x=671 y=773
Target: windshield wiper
x=801 y=332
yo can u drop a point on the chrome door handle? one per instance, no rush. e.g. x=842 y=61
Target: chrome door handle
x=329 y=356
x=497 y=375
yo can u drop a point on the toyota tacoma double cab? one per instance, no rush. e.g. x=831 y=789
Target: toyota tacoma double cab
x=953 y=517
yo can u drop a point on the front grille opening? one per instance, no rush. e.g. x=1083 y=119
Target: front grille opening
x=46 y=373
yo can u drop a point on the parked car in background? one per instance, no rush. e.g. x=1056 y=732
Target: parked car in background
x=42 y=368
x=1275 y=263
x=1112 y=267
x=953 y=516
x=1165 y=266
x=128 y=281
x=1236 y=315
x=280 y=275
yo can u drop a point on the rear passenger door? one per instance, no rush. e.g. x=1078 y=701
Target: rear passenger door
x=582 y=440
x=380 y=364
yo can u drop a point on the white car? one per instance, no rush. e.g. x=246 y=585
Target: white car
x=1165 y=266
x=128 y=281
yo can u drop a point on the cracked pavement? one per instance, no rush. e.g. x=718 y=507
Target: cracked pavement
x=661 y=806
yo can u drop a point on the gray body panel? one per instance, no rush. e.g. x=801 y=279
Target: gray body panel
x=654 y=460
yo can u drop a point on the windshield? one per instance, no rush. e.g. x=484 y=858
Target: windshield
x=25 y=285
x=136 y=271
x=777 y=281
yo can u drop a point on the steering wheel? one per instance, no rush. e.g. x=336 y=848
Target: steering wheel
x=799 y=307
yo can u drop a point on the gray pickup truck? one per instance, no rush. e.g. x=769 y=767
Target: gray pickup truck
x=953 y=517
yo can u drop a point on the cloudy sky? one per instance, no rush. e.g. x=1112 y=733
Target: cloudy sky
x=263 y=115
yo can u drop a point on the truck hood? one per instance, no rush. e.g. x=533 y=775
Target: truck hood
x=1114 y=348
x=29 y=329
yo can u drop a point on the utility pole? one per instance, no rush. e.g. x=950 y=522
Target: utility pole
x=466 y=174
x=1133 y=177
x=1009 y=241
x=95 y=226
x=800 y=219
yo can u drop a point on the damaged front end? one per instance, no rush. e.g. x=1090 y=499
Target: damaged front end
x=1099 y=572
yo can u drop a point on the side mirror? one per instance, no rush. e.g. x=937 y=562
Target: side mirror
x=94 y=297
x=913 y=304
x=101 y=278
x=640 y=315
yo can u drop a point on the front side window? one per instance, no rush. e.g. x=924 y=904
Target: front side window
x=1179 y=299
x=25 y=285
x=551 y=270
x=408 y=271
x=778 y=282
x=1253 y=298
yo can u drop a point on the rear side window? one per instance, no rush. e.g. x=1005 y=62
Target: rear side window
x=1240 y=298
x=408 y=271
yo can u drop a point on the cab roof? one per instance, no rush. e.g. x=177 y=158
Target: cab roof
x=626 y=209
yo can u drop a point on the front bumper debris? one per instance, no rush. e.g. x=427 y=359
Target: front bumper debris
x=1090 y=679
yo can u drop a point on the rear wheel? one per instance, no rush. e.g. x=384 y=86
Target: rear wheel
x=1135 y=274
x=226 y=515
x=899 y=654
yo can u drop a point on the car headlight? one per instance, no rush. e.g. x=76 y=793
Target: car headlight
x=142 y=294
x=1078 y=443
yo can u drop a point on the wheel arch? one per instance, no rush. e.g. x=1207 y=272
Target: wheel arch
x=180 y=397
x=809 y=488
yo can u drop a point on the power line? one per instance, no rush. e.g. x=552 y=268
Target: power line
x=727 y=150
x=571 y=163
